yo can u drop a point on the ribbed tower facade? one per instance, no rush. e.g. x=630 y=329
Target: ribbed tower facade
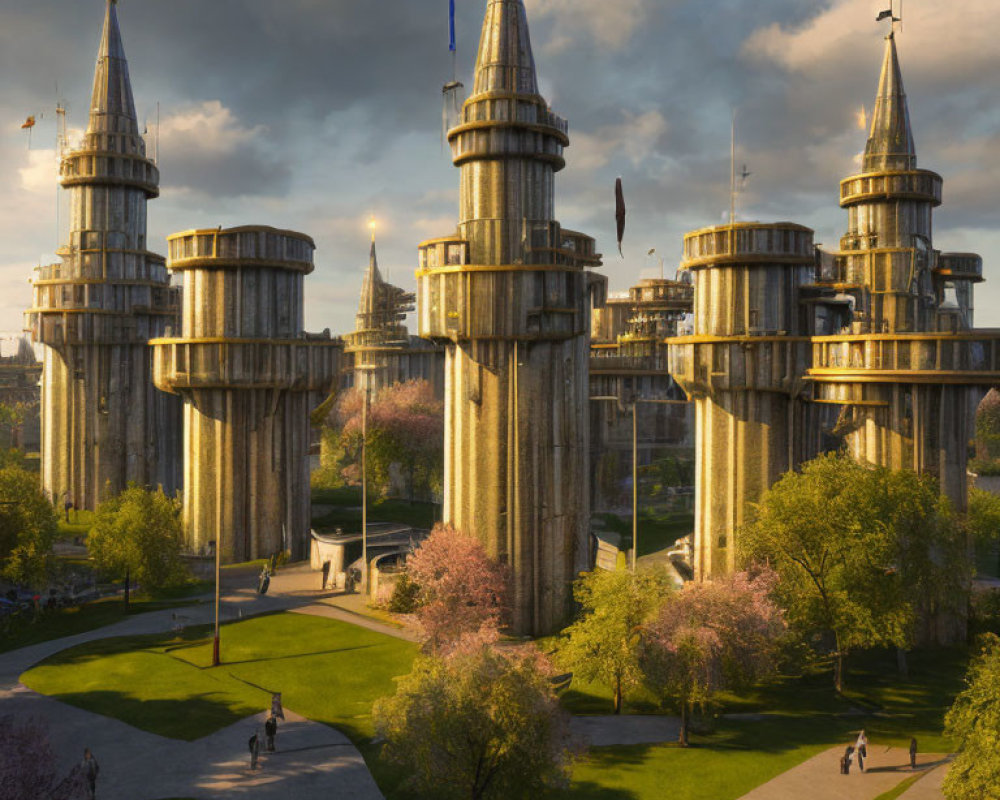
x=104 y=424
x=743 y=370
x=245 y=369
x=904 y=364
x=871 y=346
x=508 y=296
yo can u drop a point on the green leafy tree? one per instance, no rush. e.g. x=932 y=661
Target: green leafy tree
x=477 y=723
x=604 y=644
x=28 y=527
x=864 y=553
x=973 y=722
x=138 y=535
x=983 y=518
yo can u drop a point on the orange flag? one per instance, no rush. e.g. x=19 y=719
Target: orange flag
x=29 y=123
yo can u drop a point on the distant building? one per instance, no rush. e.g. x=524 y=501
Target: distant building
x=508 y=296
x=628 y=364
x=796 y=350
x=20 y=372
x=104 y=424
x=380 y=345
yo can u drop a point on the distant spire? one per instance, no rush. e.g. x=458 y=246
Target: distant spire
x=505 y=62
x=890 y=143
x=372 y=288
x=112 y=108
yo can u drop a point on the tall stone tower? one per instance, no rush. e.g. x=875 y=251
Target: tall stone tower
x=879 y=333
x=245 y=369
x=508 y=295
x=103 y=422
x=903 y=366
x=743 y=369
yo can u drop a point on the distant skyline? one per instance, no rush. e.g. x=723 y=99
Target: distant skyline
x=313 y=115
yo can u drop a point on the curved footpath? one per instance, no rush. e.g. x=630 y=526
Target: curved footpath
x=312 y=761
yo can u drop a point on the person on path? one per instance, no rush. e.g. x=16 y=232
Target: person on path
x=913 y=753
x=90 y=770
x=848 y=756
x=254 y=745
x=264 y=580
x=271 y=730
x=861 y=748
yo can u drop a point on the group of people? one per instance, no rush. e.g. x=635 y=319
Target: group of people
x=270 y=730
x=859 y=751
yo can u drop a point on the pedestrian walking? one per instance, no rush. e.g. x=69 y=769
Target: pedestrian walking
x=846 y=759
x=270 y=730
x=90 y=771
x=913 y=752
x=254 y=745
x=861 y=748
x=264 y=580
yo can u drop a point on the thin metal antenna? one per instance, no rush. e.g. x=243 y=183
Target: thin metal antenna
x=732 y=171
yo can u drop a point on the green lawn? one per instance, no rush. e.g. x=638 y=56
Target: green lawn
x=736 y=758
x=347 y=511
x=23 y=630
x=657 y=531
x=328 y=670
x=332 y=672
x=80 y=523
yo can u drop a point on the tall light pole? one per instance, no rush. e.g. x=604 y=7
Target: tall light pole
x=218 y=572
x=635 y=458
x=635 y=485
x=366 y=370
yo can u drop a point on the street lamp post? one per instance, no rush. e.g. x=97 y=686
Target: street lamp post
x=635 y=458
x=367 y=370
x=218 y=572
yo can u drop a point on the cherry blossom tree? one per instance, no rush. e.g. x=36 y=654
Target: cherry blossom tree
x=478 y=722
x=28 y=765
x=711 y=636
x=461 y=589
x=405 y=428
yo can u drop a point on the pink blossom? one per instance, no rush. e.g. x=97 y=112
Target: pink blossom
x=462 y=590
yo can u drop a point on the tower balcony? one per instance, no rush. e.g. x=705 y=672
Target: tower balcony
x=297 y=365
x=703 y=365
x=88 y=167
x=869 y=187
x=971 y=358
x=960 y=267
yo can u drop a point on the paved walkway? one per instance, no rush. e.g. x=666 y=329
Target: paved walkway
x=928 y=787
x=612 y=729
x=819 y=778
x=313 y=761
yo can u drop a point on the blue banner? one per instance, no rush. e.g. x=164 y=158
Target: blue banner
x=451 y=20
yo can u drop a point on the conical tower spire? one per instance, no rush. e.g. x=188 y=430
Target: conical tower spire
x=505 y=62
x=890 y=143
x=112 y=108
x=371 y=289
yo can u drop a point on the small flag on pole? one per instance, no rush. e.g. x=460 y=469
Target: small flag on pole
x=883 y=15
x=451 y=26
x=28 y=123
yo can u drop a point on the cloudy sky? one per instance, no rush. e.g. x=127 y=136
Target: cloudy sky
x=313 y=114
